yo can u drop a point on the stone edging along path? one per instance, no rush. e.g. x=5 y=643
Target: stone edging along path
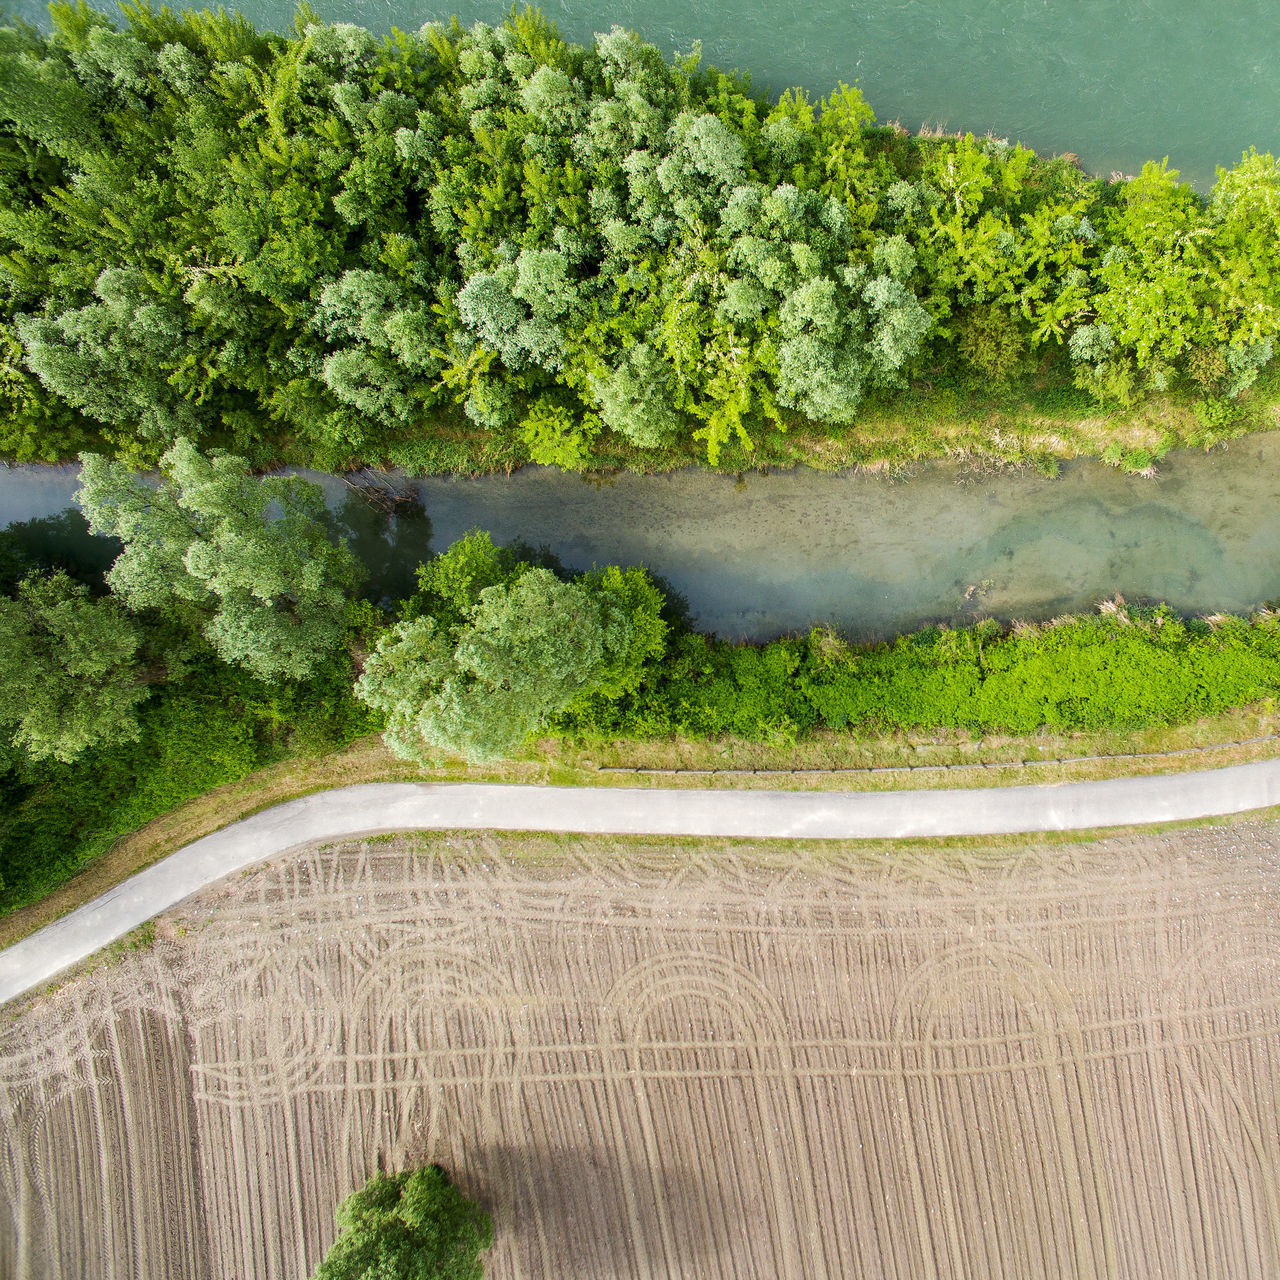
x=384 y=807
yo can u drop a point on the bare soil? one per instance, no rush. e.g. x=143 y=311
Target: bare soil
x=673 y=1060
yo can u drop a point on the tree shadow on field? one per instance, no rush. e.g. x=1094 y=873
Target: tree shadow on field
x=601 y=1211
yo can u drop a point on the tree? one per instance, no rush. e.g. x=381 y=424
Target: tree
x=41 y=99
x=384 y=356
x=528 y=649
x=112 y=359
x=640 y=600
x=410 y=1226
x=449 y=585
x=494 y=648
x=68 y=671
x=1156 y=293
x=249 y=559
x=635 y=399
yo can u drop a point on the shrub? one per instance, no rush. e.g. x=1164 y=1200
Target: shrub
x=213 y=727
x=409 y=1226
x=1120 y=669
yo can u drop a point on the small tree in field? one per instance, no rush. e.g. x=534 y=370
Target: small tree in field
x=69 y=676
x=250 y=557
x=410 y=1226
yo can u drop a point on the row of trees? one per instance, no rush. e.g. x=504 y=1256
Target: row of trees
x=329 y=247
x=252 y=572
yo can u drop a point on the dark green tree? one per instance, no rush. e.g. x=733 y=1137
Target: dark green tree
x=69 y=674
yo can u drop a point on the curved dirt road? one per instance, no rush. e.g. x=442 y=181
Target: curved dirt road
x=381 y=807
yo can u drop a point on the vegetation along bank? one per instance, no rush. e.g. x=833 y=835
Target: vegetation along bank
x=231 y=632
x=465 y=250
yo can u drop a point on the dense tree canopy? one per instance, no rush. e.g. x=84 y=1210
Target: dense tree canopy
x=336 y=248
x=249 y=558
x=69 y=673
x=409 y=1226
x=497 y=646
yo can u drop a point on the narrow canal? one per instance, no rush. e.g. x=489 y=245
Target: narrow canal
x=871 y=555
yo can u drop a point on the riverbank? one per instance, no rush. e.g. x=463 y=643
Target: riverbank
x=1037 y=422
x=211 y=723
x=771 y=553
x=527 y=281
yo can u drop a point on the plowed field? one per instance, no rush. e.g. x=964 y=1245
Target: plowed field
x=703 y=1061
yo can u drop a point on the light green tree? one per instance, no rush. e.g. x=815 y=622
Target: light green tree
x=69 y=675
x=529 y=647
x=251 y=559
x=113 y=359
x=384 y=347
x=492 y=648
x=410 y=1226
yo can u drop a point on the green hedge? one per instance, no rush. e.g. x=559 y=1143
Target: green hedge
x=1120 y=670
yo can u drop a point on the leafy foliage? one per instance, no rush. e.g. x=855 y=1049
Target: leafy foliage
x=481 y=247
x=251 y=558
x=508 y=646
x=1120 y=669
x=68 y=671
x=214 y=726
x=409 y=1226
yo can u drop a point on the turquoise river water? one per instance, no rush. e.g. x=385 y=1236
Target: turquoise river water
x=873 y=556
x=1115 y=81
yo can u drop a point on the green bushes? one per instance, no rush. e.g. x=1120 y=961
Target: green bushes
x=408 y=1226
x=215 y=726
x=471 y=249
x=1122 y=669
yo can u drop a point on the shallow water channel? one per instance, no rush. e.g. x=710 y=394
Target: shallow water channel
x=769 y=554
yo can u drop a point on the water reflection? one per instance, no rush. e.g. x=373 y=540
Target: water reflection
x=763 y=555
x=60 y=541
x=390 y=537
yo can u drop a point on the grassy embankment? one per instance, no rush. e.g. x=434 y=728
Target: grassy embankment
x=1037 y=420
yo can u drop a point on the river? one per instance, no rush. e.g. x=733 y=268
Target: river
x=872 y=555
x=1116 y=81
